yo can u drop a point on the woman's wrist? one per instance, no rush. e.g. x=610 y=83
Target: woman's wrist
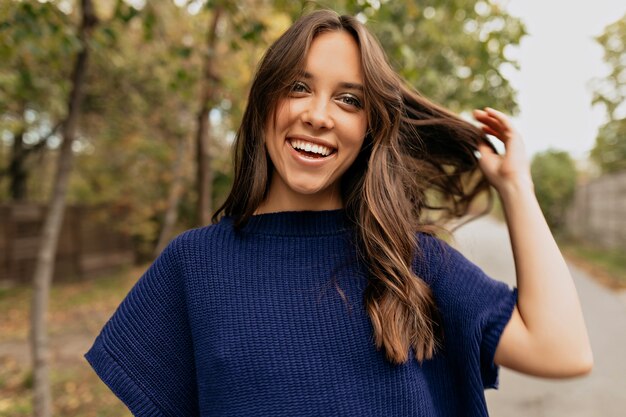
x=515 y=188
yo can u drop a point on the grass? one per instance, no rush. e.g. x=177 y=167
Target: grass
x=76 y=391
x=74 y=306
x=77 y=312
x=608 y=266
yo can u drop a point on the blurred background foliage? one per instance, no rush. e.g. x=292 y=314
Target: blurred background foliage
x=554 y=174
x=145 y=79
x=609 y=152
x=144 y=87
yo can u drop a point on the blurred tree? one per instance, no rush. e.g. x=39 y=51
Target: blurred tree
x=42 y=397
x=554 y=177
x=35 y=44
x=229 y=16
x=208 y=96
x=609 y=151
x=138 y=116
x=140 y=107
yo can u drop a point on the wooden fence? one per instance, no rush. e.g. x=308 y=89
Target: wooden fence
x=88 y=244
x=598 y=213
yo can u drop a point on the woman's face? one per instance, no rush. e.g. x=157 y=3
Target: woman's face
x=318 y=129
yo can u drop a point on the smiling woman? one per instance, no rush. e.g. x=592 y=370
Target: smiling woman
x=318 y=129
x=320 y=289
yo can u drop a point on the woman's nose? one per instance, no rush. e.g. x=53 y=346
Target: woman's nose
x=317 y=114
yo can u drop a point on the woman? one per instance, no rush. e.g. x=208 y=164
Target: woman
x=321 y=291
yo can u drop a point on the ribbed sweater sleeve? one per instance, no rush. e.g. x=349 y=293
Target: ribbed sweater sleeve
x=477 y=307
x=144 y=353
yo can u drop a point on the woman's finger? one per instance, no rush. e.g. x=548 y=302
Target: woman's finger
x=490 y=121
x=489 y=130
x=502 y=119
x=507 y=131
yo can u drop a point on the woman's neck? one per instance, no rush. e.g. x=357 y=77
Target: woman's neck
x=286 y=199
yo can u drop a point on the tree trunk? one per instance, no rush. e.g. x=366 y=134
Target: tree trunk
x=17 y=172
x=205 y=174
x=42 y=398
x=176 y=191
x=18 y=169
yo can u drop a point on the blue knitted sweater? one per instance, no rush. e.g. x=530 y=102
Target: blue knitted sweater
x=250 y=323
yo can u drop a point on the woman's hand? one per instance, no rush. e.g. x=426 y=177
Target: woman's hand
x=508 y=171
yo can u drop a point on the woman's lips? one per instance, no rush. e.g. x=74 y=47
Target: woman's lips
x=310 y=148
x=312 y=161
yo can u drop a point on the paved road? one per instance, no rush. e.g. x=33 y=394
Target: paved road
x=603 y=392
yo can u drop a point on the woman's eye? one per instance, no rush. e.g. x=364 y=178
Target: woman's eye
x=299 y=87
x=351 y=101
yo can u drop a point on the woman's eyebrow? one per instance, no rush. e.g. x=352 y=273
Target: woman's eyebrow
x=344 y=84
x=352 y=86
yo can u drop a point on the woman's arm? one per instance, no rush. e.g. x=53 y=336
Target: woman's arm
x=546 y=335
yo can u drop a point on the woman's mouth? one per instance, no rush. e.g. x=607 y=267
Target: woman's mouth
x=311 y=150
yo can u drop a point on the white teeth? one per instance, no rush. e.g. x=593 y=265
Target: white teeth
x=310 y=147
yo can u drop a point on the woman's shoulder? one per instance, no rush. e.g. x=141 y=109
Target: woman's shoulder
x=450 y=274
x=200 y=239
x=431 y=249
x=436 y=258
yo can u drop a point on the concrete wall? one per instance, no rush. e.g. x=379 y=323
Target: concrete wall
x=598 y=213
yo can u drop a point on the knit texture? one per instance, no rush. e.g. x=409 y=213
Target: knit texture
x=251 y=323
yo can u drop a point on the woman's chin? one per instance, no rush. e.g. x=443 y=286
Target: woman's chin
x=311 y=190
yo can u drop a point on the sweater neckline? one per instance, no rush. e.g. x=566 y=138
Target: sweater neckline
x=297 y=223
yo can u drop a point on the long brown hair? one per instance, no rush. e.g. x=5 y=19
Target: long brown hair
x=417 y=157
